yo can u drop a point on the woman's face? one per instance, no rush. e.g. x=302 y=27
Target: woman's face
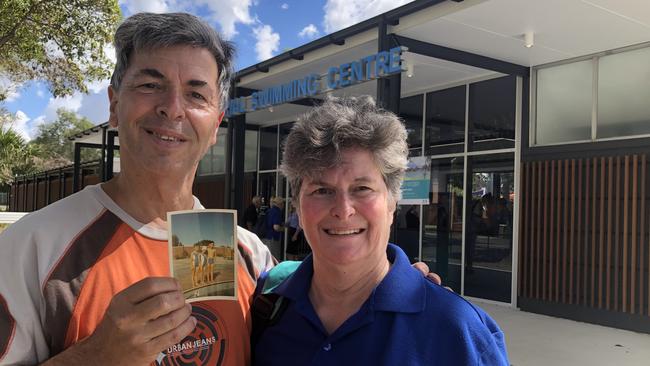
x=346 y=212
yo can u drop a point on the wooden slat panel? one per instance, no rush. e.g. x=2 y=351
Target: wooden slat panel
x=537 y=247
x=617 y=231
x=633 y=240
x=585 y=250
x=550 y=213
x=545 y=238
x=573 y=221
x=565 y=225
x=551 y=246
x=601 y=235
x=642 y=235
x=592 y=262
x=558 y=230
x=579 y=238
x=533 y=226
x=626 y=191
x=610 y=199
x=523 y=196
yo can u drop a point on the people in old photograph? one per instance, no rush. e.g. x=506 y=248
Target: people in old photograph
x=202 y=248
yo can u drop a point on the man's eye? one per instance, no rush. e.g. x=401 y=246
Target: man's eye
x=149 y=85
x=198 y=96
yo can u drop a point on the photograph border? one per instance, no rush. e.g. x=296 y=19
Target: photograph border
x=235 y=255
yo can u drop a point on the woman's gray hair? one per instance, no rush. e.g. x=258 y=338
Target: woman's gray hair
x=317 y=139
x=147 y=31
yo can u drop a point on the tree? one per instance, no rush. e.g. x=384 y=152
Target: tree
x=16 y=155
x=58 y=41
x=54 y=147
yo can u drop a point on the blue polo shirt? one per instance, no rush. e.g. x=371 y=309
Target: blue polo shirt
x=407 y=320
x=273 y=217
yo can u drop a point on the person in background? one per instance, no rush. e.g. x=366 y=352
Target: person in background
x=295 y=247
x=274 y=227
x=356 y=300
x=249 y=219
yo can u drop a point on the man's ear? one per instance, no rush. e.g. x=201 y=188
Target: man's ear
x=112 y=107
x=216 y=128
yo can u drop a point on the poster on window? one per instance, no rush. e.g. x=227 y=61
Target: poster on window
x=417 y=181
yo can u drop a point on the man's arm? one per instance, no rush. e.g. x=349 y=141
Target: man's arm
x=140 y=322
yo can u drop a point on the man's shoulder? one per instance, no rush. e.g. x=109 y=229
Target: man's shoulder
x=69 y=213
x=257 y=257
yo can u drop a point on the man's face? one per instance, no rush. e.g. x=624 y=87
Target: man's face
x=167 y=110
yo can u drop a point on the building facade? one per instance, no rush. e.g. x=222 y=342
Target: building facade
x=531 y=120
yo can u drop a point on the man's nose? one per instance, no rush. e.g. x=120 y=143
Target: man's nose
x=343 y=206
x=171 y=105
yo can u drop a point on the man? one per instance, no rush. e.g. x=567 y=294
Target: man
x=250 y=215
x=85 y=281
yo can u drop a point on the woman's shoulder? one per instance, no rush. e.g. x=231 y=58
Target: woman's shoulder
x=453 y=308
x=467 y=328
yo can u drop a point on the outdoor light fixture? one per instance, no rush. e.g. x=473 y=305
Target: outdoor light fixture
x=529 y=39
x=409 y=69
x=271 y=109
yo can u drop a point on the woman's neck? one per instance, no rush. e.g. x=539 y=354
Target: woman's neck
x=338 y=292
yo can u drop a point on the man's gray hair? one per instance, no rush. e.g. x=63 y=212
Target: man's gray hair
x=317 y=139
x=147 y=31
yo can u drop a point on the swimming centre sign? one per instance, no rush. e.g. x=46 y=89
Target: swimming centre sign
x=368 y=68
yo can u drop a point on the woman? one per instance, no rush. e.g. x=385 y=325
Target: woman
x=356 y=300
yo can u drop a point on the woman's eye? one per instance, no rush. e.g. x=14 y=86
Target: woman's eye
x=322 y=191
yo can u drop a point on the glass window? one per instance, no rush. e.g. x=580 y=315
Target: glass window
x=405 y=230
x=442 y=220
x=623 y=94
x=445 y=121
x=564 y=102
x=488 y=239
x=285 y=128
x=214 y=161
x=268 y=148
x=492 y=114
x=267 y=187
x=410 y=110
x=250 y=151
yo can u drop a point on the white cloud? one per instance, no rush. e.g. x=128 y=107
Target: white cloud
x=40 y=93
x=267 y=42
x=25 y=126
x=340 y=14
x=11 y=88
x=20 y=125
x=228 y=13
x=98 y=86
x=151 y=6
x=284 y=6
x=309 y=31
x=71 y=103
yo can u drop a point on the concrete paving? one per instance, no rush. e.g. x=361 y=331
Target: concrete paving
x=540 y=340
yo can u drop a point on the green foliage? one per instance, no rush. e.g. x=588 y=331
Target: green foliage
x=58 y=41
x=16 y=155
x=55 y=149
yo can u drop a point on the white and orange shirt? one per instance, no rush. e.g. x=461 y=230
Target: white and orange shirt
x=61 y=266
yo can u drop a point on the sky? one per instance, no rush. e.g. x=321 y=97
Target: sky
x=193 y=227
x=260 y=29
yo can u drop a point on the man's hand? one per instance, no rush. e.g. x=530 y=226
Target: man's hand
x=431 y=276
x=140 y=322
